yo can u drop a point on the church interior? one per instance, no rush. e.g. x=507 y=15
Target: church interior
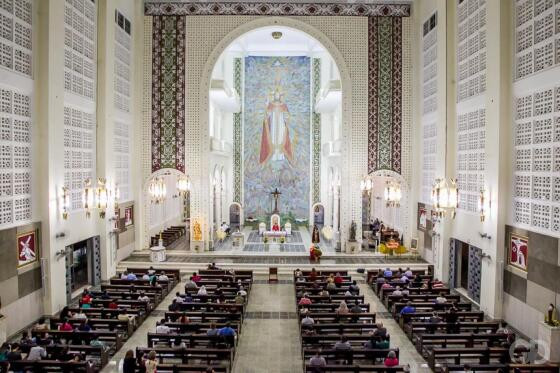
x=252 y=186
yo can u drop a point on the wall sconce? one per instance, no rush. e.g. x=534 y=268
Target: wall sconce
x=117 y=196
x=87 y=197
x=101 y=196
x=183 y=185
x=65 y=202
x=483 y=204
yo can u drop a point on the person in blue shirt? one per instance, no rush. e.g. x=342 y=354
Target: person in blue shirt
x=226 y=331
x=388 y=273
x=408 y=309
x=131 y=276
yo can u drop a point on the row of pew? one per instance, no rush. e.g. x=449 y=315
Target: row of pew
x=169 y=236
x=444 y=329
x=112 y=312
x=190 y=343
x=331 y=326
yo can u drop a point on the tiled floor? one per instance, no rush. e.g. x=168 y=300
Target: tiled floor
x=269 y=341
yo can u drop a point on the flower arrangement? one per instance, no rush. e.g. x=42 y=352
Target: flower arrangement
x=327 y=232
x=220 y=234
x=392 y=248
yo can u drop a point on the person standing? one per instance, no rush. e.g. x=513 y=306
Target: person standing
x=129 y=362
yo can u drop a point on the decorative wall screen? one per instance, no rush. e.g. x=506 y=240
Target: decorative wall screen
x=537 y=36
x=122 y=127
x=315 y=133
x=470 y=157
x=537 y=160
x=471 y=48
x=471 y=115
x=80 y=66
x=16 y=126
x=429 y=106
x=15 y=157
x=536 y=173
x=237 y=134
x=79 y=152
x=16 y=19
x=80 y=29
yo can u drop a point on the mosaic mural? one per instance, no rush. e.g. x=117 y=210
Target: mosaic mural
x=276 y=134
x=385 y=94
x=168 y=93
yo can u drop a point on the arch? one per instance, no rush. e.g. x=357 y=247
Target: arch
x=318 y=210
x=319 y=36
x=146 y=199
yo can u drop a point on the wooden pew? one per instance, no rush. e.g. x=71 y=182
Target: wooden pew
x=231 y=307
x=124 y=303
x=328 y=307
x=105 y=313
x=48 y=366
x=167 y=285
x=100 y=354
x=188 y=354
x=356 y=369
x=425 y=342
x=419 y=316
x=414 y=328
x=335 y=317
x=429 y=306
x=372 y=273
x=190 y=368
x=191 y=340
x=200 y=327
x=361 y=354
x=484 y=355
x=205 y=316
x=124 y=326
x=112 y=339
x=341 y=328
x=204 y=272
x=328 y=340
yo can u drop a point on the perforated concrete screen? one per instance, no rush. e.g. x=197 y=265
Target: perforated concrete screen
x=16 y=49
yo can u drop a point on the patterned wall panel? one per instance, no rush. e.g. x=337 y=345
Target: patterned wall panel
x=316 y=134
x=537 y=36
x=80 y=30
x=16 y=23
x=385 y=93
x=80 y=66
x=238 y=134
x=122 y=134
x=429 y=107
x=96 y=256
x=452 y=263
x=79 y=151
x=471 y=115
x=168 y=93
x=474 y=275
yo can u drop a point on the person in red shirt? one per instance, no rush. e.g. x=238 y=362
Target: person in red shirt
x=304 y=300
x=196 y=277
x=391 y=359
x=65 y=326
x=276 y=228
x=86 y=298
x=313 y=275
x=112 y=305
x=338 y=279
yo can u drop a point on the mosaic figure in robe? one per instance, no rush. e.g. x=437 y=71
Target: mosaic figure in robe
x=276 y=144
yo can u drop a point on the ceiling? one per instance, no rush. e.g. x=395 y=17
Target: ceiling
x=260 y=42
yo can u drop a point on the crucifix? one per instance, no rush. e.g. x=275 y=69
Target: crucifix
x=275 y=194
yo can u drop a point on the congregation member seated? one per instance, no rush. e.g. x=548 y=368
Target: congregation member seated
x=354 y=288
x=195 y=277
x=338 y=280
x=161 y=328
x=409 y=308
x=163 y=277
x=191 y=284
x=202 y=291
x=305 y=300
x=391 y=359
x=317 y=361
x=388 y=273
x=225 y=228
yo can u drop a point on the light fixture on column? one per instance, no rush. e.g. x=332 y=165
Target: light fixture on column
x=157 y=190
x=87 y=197
x=101 y=196
x=392 y=193
x=183 y=185
x=65 y=202
x=117 y=196
x=483 y=204
x=445 y=197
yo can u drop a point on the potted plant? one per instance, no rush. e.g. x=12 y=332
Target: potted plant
x=282 y=239
x=265 y=239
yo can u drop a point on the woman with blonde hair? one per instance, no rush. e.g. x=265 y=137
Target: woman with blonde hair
x=151 y=363
x=342 y=309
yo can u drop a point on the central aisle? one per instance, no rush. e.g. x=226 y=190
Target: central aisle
x=269 y=340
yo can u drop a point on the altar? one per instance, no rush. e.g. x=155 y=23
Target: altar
x=275 y=236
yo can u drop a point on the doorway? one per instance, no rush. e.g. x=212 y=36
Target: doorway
x=463 y=265
x=83 y=266
x=234 y=216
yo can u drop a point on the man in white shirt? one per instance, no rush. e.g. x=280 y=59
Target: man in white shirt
x=81 y=315
x=163 y=277
x=161 y=328
x=441 y=299
x=36 y=353
x=307 y=321
x=145 y=276
x=143 y=298
x=397 y=291
x=408 y=272
x=242 y=292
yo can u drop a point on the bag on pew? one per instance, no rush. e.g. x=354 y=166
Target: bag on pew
x=361 y=270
